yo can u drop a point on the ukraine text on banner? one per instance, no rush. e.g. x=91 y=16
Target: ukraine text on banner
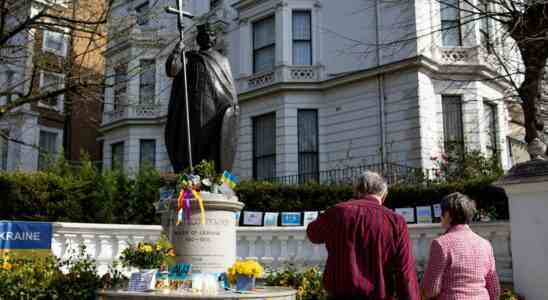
x=24 y=242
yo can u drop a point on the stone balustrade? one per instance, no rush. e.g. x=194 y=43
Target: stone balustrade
x=135 y=111
x=281 y=74
x=272 y=246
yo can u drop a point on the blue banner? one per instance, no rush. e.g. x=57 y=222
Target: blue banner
x=25 y=235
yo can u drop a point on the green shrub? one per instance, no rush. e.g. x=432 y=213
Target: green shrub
x=44 y=279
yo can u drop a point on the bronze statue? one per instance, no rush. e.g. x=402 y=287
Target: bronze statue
x=212 y=106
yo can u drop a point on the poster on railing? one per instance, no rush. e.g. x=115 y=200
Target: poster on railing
x=271 y=219
x=24 y=242
x=408 y=213
x=253 y=218
x=291 y=219
x=424 y=214
x=309 y=217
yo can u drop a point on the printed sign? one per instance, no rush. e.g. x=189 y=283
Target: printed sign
x=166 y=193
x=408 y=213
x=22 y=242
x=437 y=210
x=424 y=214
x=291 y=219
x=271 y=219
x=253 y=218
x=142 y=281
x=309 y=217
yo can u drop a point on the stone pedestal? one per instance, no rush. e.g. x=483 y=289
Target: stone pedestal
x=527 y=188
x=210 y=248
x=267 y=293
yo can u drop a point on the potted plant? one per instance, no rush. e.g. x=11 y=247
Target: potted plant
x=243 y=273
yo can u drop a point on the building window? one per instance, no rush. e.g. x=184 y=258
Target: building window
x=490 y=121
x=453 y=134
x=302 y=38
x=485 y=25
x=307 y=120
x=264 y=45
x=4 y=143
x=450 y=23
x=48 y=149
x=120 y=86
x=147 y=79
x=264 y=146
x=51 y=82
x=147 y=154
x=9 y=87
x=215 y=3
x=117 y=159
x=142 y=13
x=55 y=42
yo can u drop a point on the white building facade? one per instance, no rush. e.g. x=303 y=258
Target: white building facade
x=322 y=85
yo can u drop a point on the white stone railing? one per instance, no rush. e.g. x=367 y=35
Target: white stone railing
x=476 y=55
x=272 y=246
x=297 y=74
x=135 y=111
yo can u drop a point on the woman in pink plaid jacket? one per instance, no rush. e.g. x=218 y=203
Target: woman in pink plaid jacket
x=461 y=263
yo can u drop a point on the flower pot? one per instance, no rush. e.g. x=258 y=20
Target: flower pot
x=245 y=283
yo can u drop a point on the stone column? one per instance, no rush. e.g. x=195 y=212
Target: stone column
x=210 y=248
x=526 y=185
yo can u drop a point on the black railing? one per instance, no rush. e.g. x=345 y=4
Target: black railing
x=393 y=173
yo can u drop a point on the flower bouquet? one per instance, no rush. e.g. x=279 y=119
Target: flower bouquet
x=148 y=258
x=244 y=273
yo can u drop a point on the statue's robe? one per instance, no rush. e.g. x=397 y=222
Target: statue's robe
x=213 y=111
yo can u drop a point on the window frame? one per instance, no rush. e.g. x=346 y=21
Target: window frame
x=458 y=27
x=65 y=38
x=143 y=15
x=119 y=94
x=42 y=164
x=4 y=149
x=112 y=156
x=314 y=175
x=59 y=106
x=141 y=157
x=493 y=126
x=294 y=40
x=255 y=158
x=149 y=67
x=271 y=45
x=9 y=81
x=446 y=142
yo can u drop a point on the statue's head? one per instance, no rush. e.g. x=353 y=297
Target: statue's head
x=206 y=37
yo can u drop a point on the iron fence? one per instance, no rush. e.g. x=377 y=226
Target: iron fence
x=393 y=173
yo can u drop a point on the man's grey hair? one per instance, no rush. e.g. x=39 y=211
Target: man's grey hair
x=370 y=183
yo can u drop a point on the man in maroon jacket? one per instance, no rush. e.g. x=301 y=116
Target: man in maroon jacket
x=369 y=250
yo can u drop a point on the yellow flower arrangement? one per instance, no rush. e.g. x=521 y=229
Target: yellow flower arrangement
x=246 y=268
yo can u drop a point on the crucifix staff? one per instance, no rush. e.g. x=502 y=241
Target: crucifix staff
x=181 y=14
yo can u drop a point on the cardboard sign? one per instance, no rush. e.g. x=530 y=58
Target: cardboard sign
x=253 y=218
x=291 y=219
x=23 y=242
x=424 y=214
x=408 y=213
x=180 y=271
x=309 y=217
x=271 y=219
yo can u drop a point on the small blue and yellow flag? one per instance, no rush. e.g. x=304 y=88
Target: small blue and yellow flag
x=230 y=179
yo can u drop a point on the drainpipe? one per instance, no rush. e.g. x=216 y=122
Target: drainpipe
x=380 y=83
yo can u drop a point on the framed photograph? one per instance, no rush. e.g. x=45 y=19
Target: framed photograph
x=408 y=213
x=437 y=210
x=309 y=217
x=270 y=219
x=291 y=219
x=424 y=214
x=253 y=218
